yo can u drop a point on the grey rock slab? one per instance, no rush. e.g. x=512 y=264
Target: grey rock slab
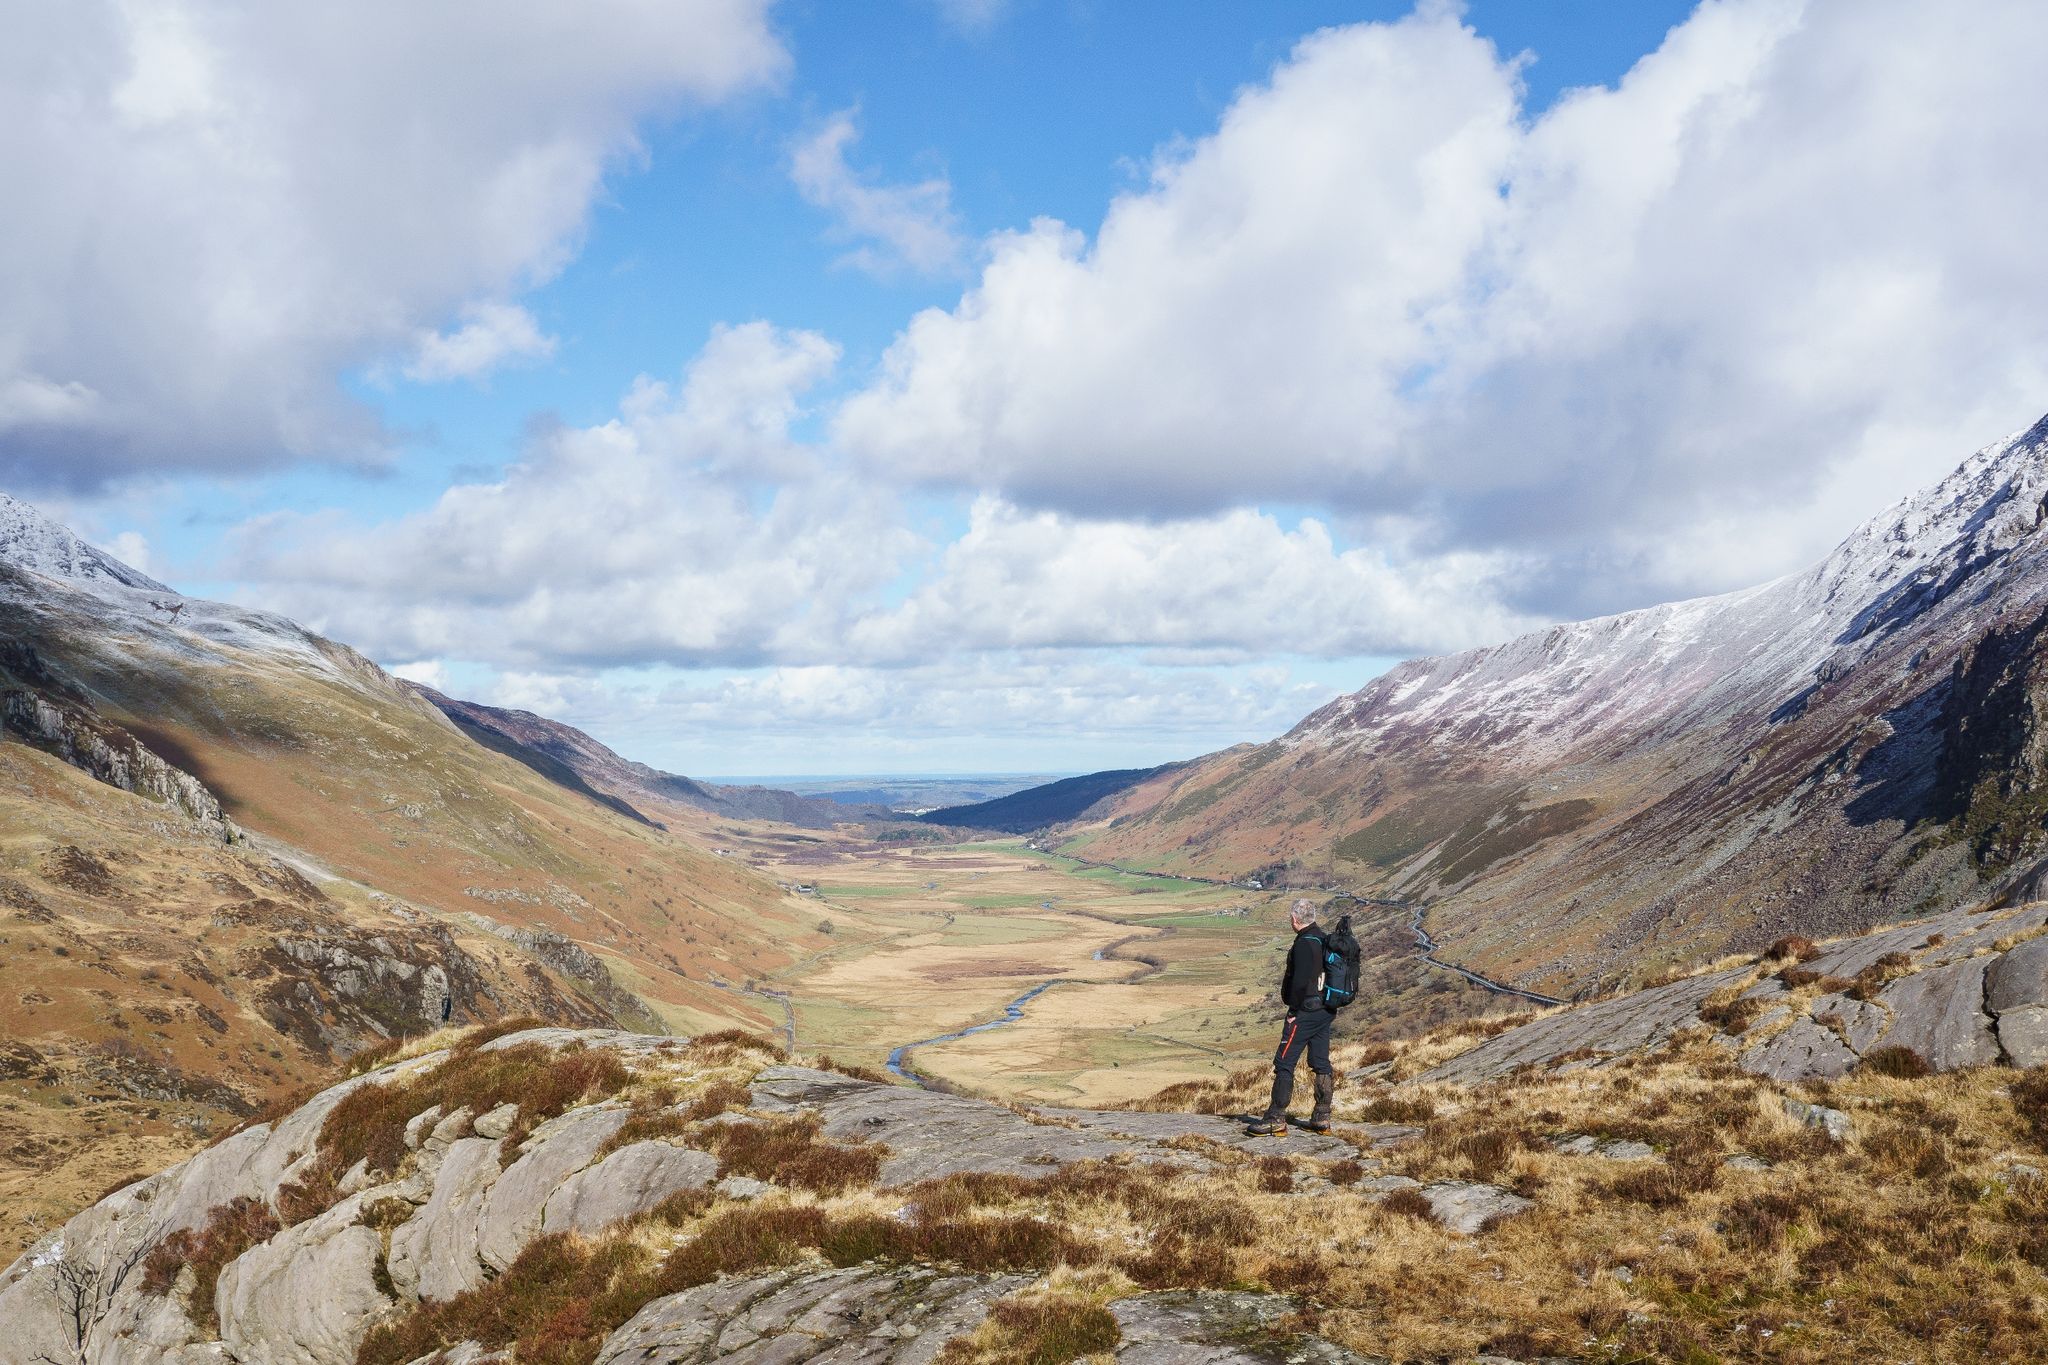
x=931 y=1135
x=1165 y=1127
x=612 y=1039
x=1625 y=1024
x=1833 y=1122
x=2024 y=1035
x=433 y=1254
x=1186 y=1327
x=743 y=1187
x=629 y=1181
x=1853 y=955
x=308 y=1296
x=862 y=1315
x=1387 y=1184
x=1388 y=1134
x=1743 y=1161
x=464 y=1353
x=2018 y=979
x=1467 y=1206
x=1614 y=1149
x=1626 y=1149
x=1982 y=937
x=557 y=1150
x=1861 y=1022
x=1802 y=1051
x=1939 y=1014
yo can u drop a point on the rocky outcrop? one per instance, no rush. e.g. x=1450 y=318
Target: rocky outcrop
x=308 y=1294
x=867 y=1314
x=1217 y=1329
x=67 y=727
x=1958 y=999
x=1607 y=1028
x=578 y=964
x=2016 y=995
x=462 y=1207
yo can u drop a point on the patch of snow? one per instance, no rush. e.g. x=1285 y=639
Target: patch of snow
x=1553 y=690
x=32 y=541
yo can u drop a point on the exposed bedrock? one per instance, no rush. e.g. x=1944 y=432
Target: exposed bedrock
x=1959 y=989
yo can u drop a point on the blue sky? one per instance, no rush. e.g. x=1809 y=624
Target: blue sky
x=968 y=385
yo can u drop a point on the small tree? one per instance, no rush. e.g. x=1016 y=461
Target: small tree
x=85 y=1289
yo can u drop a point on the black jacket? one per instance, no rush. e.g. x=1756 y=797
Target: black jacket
x=1301 y=986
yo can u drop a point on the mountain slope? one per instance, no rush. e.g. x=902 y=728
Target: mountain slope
x=231 y=850
x=1047 y=804
x=1829 y=751
x=567 y=755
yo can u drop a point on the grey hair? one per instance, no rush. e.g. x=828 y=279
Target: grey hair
x=1302 y=906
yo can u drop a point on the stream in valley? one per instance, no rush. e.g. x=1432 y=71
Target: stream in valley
x=1425 y=949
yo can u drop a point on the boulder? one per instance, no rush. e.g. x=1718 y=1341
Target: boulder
x=1217 y=1327
x=433 y=1254
x=874 y=1315
x=1833 y=1122
x=629 y=1181
x=1802 y=1051
x=308 y=1296
x=1939 y=1013
x=558 y=1149
x=498 y=1123
x=1467 y=1206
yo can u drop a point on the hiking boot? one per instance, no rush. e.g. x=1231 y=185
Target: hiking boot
x=1269 y=1127
x=1326 y=1094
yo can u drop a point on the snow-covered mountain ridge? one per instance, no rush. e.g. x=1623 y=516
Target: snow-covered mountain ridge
x=32 y=541
x=1557 y=688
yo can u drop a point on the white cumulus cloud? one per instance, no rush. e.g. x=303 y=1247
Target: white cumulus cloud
x=897 y=226
x=218 y=208
x=491 y=335
x=1671 y=336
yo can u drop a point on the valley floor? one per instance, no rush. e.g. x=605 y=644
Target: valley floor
x=1153 y=980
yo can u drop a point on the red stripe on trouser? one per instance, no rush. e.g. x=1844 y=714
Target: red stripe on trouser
x=1288 y=1041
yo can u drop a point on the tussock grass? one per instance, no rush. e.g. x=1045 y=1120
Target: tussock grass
x=1037 y=1329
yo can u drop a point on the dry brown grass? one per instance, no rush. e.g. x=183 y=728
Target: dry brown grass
x=1037 y=1329
x=230 y=1229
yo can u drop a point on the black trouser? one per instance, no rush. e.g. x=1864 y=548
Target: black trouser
x=1309 y=1030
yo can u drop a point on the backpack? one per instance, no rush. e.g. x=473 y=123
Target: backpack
x=1340 y=967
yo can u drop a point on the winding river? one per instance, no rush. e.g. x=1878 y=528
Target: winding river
x=1012 y=1012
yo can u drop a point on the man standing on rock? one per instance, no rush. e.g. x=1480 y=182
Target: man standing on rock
x=1307 y=1028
